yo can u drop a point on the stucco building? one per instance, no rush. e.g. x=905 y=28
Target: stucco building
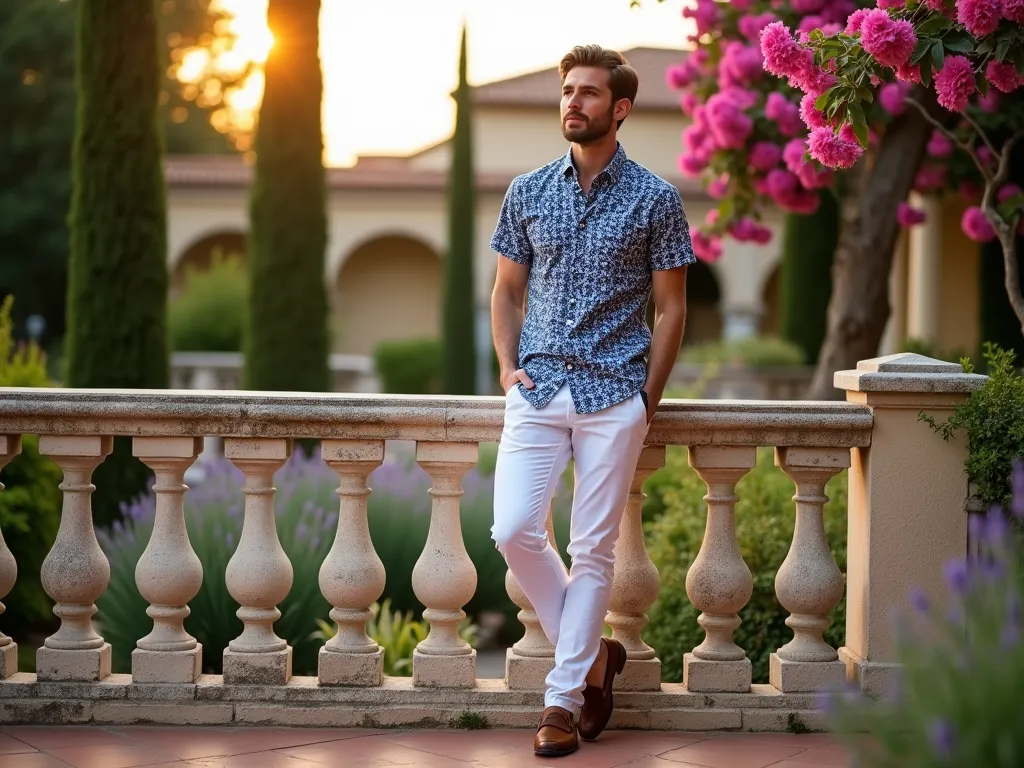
x=387 y=225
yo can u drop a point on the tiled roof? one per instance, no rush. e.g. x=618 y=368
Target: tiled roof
x=382 y=174
x=542 y=88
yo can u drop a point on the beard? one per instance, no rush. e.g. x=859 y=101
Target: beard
x=592 y=129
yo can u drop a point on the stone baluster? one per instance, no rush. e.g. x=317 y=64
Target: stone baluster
x=532 y=657
x=10 y=446
x=719 y=583
x=169 y=573
x=809 y=584
x=259 y=574
x=352 y=576
x=635 y=583
x=75 y=572
x=444 y=578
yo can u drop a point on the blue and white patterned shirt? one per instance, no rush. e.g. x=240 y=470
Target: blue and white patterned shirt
x=591 y=257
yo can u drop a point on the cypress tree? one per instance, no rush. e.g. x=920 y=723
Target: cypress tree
x=805 y=279
x=459 y=316
x=117 y=277
x=287 y=345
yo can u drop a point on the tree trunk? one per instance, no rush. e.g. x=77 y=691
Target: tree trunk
x=287 y=339
x=859 y=307
x=117 y=272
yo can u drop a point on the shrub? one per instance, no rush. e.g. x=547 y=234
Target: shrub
x=409 y=366
x=958 y=700
x=397 y=633
x=765 y=517
x=993 y=419
x=764 y=352
x=306 y=506
x=31 y=502
x=210 y=315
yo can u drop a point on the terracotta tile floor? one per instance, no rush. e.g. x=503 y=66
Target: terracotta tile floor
x=125 y=747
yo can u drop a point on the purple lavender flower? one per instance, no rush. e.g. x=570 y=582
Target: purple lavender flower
x=957 y=576
x=942 y=738
x=919 y=600
x=1017 y=504
x=230 y=538
x=1011 y=629
x=976 y=527
x=827 y=700
x=302 y=532
x=996 y=525
x=316 y=542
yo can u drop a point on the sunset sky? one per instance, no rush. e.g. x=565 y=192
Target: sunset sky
x=389 y=65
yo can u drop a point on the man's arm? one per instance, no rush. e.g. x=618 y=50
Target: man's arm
x=669 y=294
x=508 y=313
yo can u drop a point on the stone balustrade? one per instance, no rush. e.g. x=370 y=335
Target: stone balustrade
x=906 y=517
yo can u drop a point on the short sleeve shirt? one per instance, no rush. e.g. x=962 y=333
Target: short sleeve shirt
x=591 y=259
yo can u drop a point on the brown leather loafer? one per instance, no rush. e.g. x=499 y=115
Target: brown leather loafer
x=598 y=701
x=556 y=736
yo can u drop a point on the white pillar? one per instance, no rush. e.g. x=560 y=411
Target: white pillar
x=925 y=271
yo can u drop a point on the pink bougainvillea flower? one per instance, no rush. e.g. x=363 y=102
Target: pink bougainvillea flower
x=810 y=176
x=785 y=114
x=1014 y=10
x=891 y=41
x=781 y=183
x=744 y=98
x=909 y=73
x=679 y=76
x=810 y=23
x=812 y=118
x=729 y=125
x=893 y=96
x=705 y=13
x=908 y=216
x=930 y=177
x=833 y=151
x=750 y=26
x=764 y=156
x=954 y=84
x=783 y=55
x=936 y=5
x=939 y=145
x=989 y=102
x=853 y=24
x=740 y=65
x=976 y=225
x=692 y=166
x=748 y=230
x=985 y=155
x=719 y=187
x=1007 y=192
x=979 y=17
x=688 y=102
x=705 y=247
x=890 y=4
x=804 y=7
x=1003 y=76
x=838 y=11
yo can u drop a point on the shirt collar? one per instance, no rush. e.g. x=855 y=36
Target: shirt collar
x=613 y=169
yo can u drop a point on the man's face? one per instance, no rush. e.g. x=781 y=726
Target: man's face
x=587 y=110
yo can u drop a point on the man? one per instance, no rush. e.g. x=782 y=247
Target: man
x=586 y=240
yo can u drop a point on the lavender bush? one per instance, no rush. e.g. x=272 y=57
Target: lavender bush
x=306 y=505
x=958 y=703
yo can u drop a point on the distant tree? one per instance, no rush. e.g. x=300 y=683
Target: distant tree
x=459 y=316
x=287 y=339
x=117 y=278
x=37 y=101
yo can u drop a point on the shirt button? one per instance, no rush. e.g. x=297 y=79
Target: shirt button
x=583 y=225
x=568 y=322
x=572 y=301
x=568 y=366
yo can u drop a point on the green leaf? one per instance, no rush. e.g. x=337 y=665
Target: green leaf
x=986 y=45
x=958 y=44
x=920 y=51
x=926 y=75
x=859 y=122
x=934 y=25
x=822 y=101
x=864 y=94
x=1002 y=48
x=982 y=86
x=938 y=57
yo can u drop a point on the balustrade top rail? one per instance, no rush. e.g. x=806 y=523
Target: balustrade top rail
x=193 y=413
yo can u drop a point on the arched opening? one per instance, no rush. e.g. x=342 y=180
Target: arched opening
x=199 y=256
x=769 y=324
x=389 y=289
x=703 y=314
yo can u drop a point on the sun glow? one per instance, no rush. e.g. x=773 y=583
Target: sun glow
x=369 y=52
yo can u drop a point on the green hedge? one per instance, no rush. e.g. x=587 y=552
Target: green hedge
x=409 y=366
x=676 y=515
x=209 y=316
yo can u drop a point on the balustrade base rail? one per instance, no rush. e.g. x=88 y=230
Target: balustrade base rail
x=395 y=703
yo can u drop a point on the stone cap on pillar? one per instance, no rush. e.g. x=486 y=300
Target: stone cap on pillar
x=909 y=373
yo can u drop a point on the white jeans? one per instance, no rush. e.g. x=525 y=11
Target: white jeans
x=534 y=450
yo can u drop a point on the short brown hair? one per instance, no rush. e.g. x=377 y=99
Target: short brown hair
x=622 y=78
